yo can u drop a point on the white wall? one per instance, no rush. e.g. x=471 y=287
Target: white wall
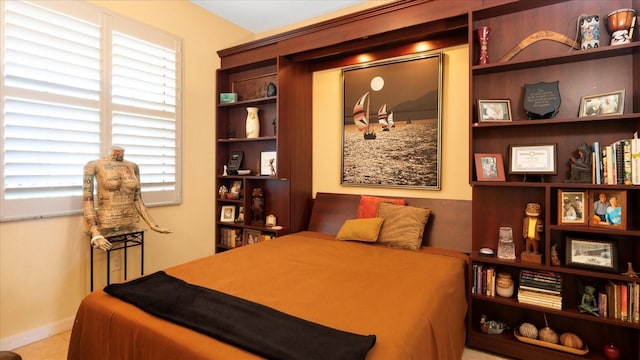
x=44 y=264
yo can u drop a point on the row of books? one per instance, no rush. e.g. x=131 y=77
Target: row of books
x=541 y=288
x=235 y=237
x=231 y=237
x=617 y=163
x=484 y=280
x=620 y=301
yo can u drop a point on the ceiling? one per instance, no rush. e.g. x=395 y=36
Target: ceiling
x=264 y=15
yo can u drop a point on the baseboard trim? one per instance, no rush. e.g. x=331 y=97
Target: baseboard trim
x=15 y=341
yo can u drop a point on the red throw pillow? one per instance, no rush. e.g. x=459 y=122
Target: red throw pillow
x=368 y=207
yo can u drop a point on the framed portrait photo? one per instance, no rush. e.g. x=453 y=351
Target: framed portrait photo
x=250 y=237
x=228 y=213
x=592 y=254
x=489 y=167
x=532 y=159
x=611 y=103
x=571 y=209
x=608 y=208
x=268 y=163
x=494 y=110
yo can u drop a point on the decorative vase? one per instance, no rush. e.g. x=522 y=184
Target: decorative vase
x=504 y=285
x=589 y=31
x=483 y=39
x=621 y=24
x=253 y=123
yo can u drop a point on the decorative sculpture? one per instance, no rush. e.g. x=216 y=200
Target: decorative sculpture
x=257 y=206
x=581 y=168
x=532 y=233
x=589 y=303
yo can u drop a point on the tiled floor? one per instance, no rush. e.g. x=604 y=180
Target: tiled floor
x=55 y=348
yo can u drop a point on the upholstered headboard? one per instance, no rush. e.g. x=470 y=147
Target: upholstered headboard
x=449 y=224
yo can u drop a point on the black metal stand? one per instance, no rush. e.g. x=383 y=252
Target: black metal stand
x=120 y=242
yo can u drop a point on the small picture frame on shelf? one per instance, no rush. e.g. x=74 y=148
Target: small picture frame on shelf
x=571 y=210
x=250 y=236
x=592 y=254
x=489 y=167
x=228 y=98
x=608 y=209
x=268 y=163
x=533 y=159
x=236 y=190
x=494 y=110
x=611 y=103
x=228 y=213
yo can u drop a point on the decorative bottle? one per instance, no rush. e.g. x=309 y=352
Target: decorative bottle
x=253 y=123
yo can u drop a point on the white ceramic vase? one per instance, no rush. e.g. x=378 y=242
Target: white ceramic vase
x=253 y=123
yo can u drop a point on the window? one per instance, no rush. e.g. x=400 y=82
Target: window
x=76 y=80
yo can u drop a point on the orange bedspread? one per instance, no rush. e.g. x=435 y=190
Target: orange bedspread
x=414 y=302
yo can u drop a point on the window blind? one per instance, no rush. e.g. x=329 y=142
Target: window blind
x=72 y=86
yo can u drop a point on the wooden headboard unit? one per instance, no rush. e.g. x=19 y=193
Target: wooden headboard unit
x=449 y=224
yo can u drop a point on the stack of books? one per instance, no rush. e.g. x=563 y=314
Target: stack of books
x=541 y=288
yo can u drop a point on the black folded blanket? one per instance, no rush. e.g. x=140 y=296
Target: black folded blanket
x=256 y=328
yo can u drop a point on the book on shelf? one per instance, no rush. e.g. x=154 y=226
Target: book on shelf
x=539 y=295
x=540 y=290
x=535 y=300
x=596 y=163
x=602 y=305
x=635 y=160
x=538 y=279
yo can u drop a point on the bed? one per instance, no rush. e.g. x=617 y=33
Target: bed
x=414 y=302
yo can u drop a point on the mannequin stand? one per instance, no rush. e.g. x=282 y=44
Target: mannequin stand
x=121 y=241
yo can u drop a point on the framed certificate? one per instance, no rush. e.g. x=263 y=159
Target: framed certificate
x=532 y=159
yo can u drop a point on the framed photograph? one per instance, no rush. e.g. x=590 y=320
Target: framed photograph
x=489 y=167
x=494 y=110
x=571 y=207
x=268 y=163
x=251 y=236
x=592 y=254
x=236 y=190
x=608 y=208
x=602 y=104
x=228 y=213
x=532 y=159
x=392 y=123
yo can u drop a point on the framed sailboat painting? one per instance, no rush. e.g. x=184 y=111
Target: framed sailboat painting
x=392 y=120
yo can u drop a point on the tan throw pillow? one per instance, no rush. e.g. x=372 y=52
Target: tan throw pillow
x=360 y=229
x=368 y=206
x=403 y=225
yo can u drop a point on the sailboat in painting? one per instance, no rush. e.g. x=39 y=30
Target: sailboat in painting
x=385 y=120
x=361 y=118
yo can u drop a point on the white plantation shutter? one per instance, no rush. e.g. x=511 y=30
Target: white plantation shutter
x=144 y=93
x=73 y=85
